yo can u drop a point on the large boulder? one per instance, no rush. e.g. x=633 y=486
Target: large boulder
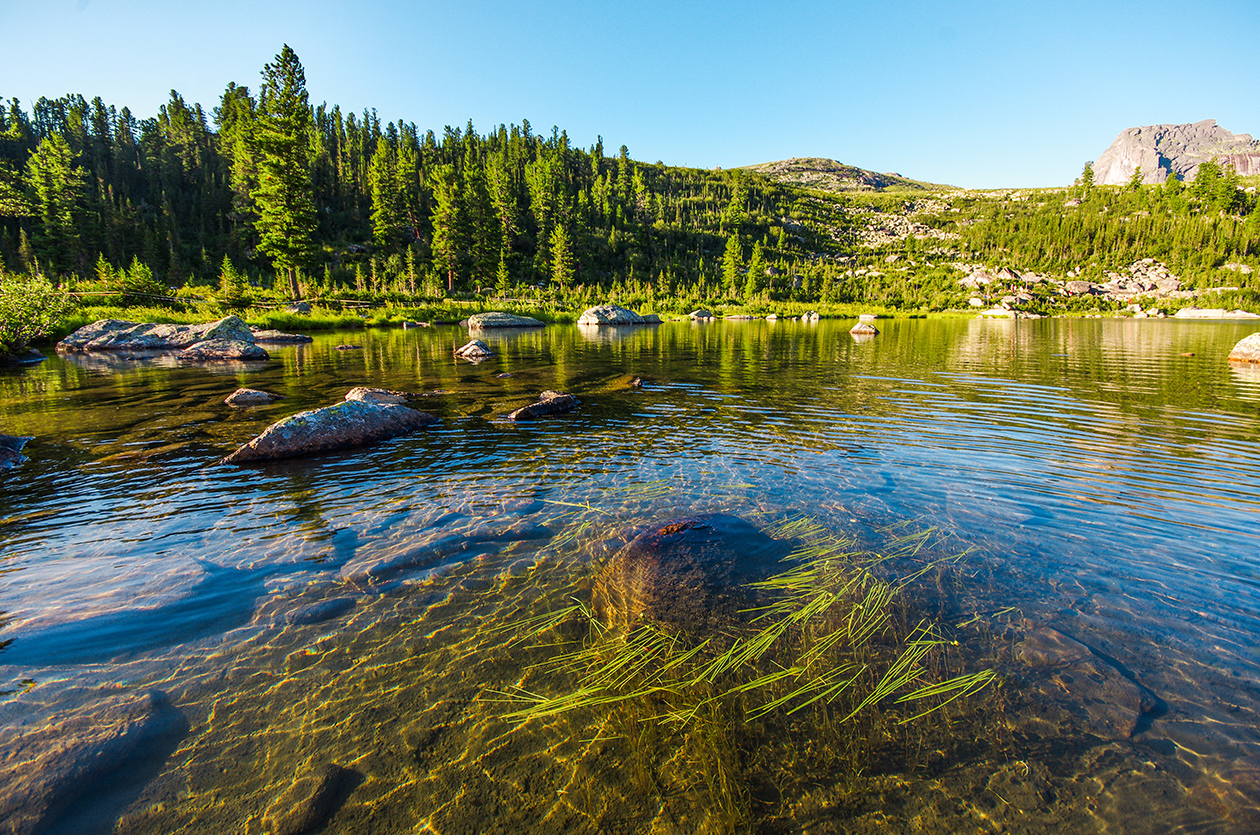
x=387 y=397
x=864 y=328
x=610 y=314
x=216 y=350
x=1247 y=349
x=687 y=575
x=700 y=313
x=496 y=319
x=549 y=403
x=267 y=335
x=347 y=424
x=11 y=451
x=119 y=335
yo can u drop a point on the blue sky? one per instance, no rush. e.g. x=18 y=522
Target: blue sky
x=977 y=94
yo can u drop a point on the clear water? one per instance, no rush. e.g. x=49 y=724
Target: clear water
x=349 y=607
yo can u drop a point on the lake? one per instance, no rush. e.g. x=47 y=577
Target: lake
x=1080 y=500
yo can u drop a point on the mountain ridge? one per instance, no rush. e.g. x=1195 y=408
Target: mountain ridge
x=834 y=176
x=1178 y=149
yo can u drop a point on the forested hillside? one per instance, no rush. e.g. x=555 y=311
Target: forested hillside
x=267 y=190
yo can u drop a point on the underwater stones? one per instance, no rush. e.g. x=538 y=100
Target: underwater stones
x=496 y=319
x=1091 y=690
x=308 y=803
x=45 y=770
x=348 y=424
x=476 y=350
x=687 y=574
x=1247 y=349
x=610 y=314
x=214 y=350
x=549 y=403
x=387 y=397
x=243 y=398
x=863 y=329
x=11 y=451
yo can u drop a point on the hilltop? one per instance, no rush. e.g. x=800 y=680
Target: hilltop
x=1180 y=149
x=831 y=175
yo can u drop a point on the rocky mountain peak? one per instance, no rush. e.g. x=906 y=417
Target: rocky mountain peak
x=1181 y=149
x=831 y=175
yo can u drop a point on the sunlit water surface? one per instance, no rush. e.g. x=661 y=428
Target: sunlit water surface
x=350 y=607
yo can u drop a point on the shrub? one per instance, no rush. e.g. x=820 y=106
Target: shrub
x=29 y=309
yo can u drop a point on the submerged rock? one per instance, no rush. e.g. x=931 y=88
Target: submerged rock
x=1092 y=691
x=11 y=451
x=44 y=771
x=307 y=803
x=214 y=350
x=688 y=574
x=1247 y=349
x=611 y=314
x=30 y=356
x=549 y=403
x=864 y=328
x=348 y=424
x=242 y=398
x=474 y=350
x=496 y=319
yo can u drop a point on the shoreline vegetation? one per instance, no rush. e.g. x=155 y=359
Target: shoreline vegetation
x=375 y=222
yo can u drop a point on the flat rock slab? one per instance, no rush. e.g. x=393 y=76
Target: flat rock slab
x=342 y=426
x=381 y=396
x=1213 y=313
x=687 y=574
x=549 y=403
x=1090 y=691
x=495 y=319
x=263 y=335
x=45 y=770
x=1247 y=349
x=242 y=398
x=120 y=335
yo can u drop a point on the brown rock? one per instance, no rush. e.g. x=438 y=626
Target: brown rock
x=242 y=398
x=347 y=424
x=549 y=403
x=306 y=804
x=1247 y=349
x=687 y=574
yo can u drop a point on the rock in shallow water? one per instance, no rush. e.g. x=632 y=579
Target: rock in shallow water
x=475 y=350
x=213 y=350
x=687 y=575
x=347 y=424
x=381 y=396
x=610 y=314
x=1247 y=349
x=496 y=319
x=308 y=803
x=11 y=451
x=549 y=403
x=242 y=398
x=119 y=335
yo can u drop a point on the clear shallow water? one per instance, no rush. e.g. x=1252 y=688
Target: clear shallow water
x=345 y=607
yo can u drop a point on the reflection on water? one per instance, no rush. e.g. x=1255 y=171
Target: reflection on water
x=347 y=608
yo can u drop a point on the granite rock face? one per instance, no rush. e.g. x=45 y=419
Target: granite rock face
x=1180 y=149
x=347 y=424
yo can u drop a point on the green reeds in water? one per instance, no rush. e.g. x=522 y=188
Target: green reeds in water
x=834 y=643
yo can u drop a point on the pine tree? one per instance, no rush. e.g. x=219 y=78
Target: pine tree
x=447 y=220
x=286 y=211
x=562 y=268
x=233 y=287
x=732 y=259
x=57 y=185
x=756 y=272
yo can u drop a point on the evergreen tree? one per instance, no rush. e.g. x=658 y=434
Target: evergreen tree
x=756 y=271
x=56 y=184
x=286 y=211
x=732 y=259
x=562 y=262
x=447 y=220
x=1087 y=180
x=233 y=286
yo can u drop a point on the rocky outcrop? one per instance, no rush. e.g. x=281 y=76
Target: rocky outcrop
x=243 y=398
x=1180 y=149
x=44 y=771
x=11 y=451
x=830 y=175
x=611 y=314
x=228 y=338
x=549 y=403
x=1247 y=350
x=348 y=424
x=495 y=319
x=686 y=574
x=476 y=350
